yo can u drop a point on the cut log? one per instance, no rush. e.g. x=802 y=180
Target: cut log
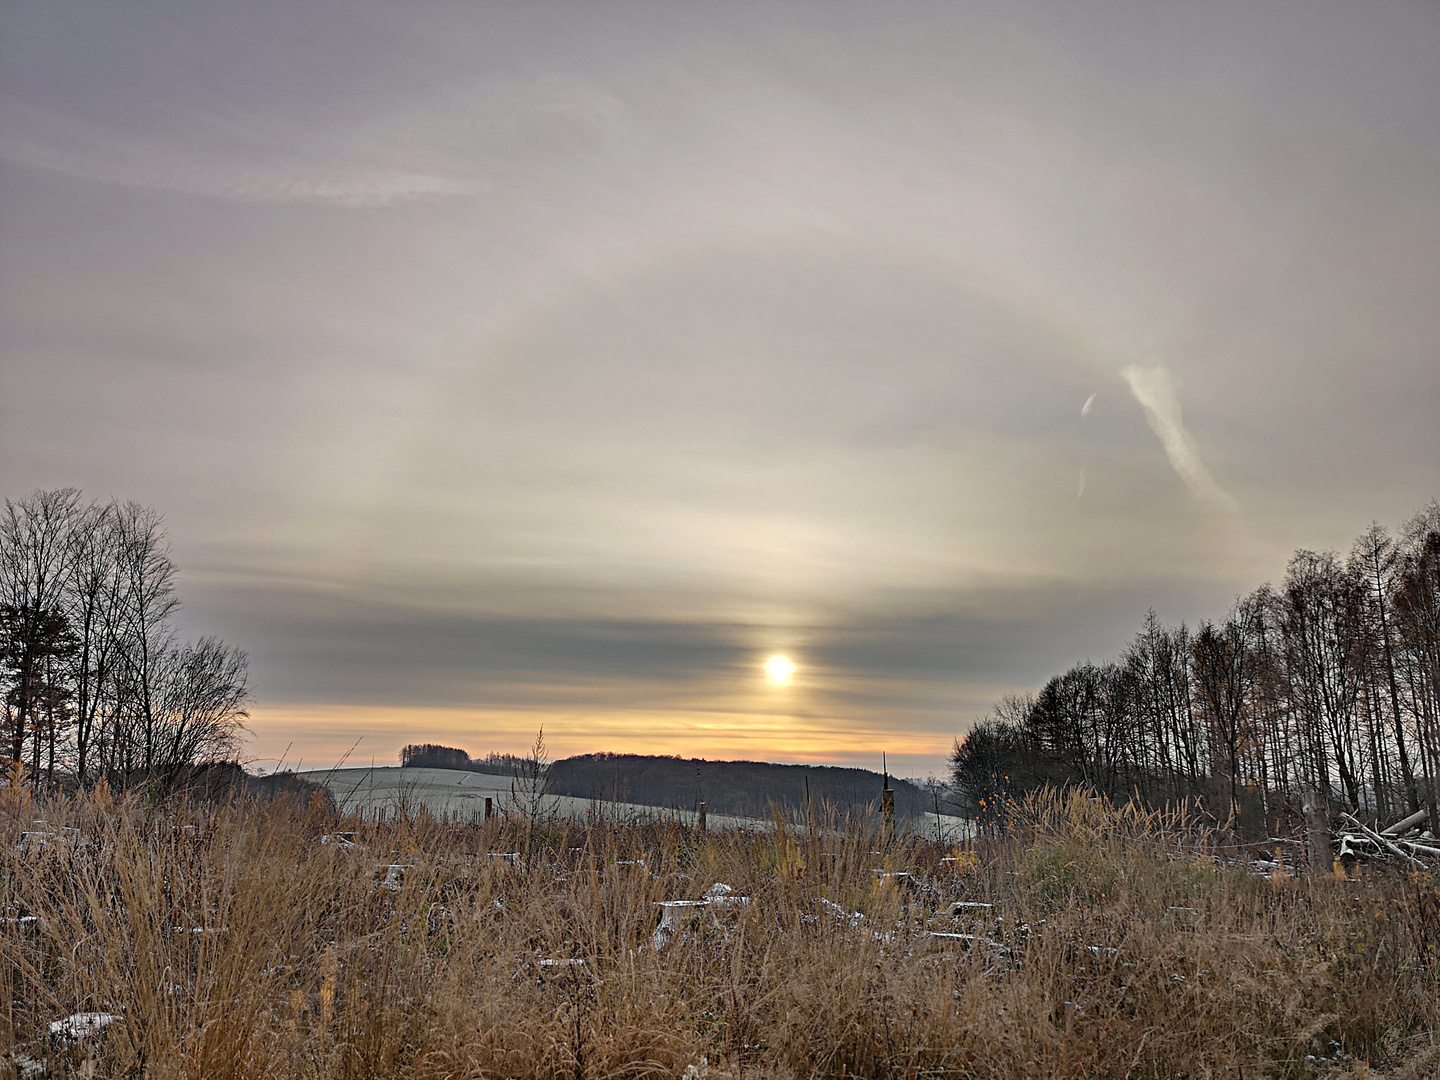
x=1404 y=825
x=1423 y=849
x=1383 y=841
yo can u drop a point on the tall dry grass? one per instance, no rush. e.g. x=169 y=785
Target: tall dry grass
x=230 y=942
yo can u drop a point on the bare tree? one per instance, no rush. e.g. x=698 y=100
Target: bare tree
x=1324 y=636
x=149 y=601
x=35 y=548
x=994 y=764
x=1416 y=602
x=201 y=697
x=94 y=608
x=91 y=679
x=530 y=781
x=1375 y=558
x=1222 y=677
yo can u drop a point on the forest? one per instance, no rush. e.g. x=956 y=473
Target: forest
x=1327 y=684
x=743 y=788
x=95 y=680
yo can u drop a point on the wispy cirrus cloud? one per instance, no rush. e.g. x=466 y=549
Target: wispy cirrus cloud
x=1155 y=392
x=43 y=140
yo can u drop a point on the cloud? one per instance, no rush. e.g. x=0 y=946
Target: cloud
x=1085 y=409
x=40 y=140
x=1155 y=391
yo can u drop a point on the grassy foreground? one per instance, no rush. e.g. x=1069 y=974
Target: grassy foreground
x=232 y=943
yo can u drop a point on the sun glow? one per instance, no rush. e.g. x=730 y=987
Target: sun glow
x=780 y=670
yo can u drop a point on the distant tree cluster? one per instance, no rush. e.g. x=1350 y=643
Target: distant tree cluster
x=1330 y=683
x=93 y=679
x=435 y=756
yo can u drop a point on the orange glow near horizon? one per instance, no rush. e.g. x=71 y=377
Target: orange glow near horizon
x=319 y=736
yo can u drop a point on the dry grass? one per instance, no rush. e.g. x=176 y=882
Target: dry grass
x=231 y=943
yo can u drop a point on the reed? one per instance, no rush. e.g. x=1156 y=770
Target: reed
x=228 y=941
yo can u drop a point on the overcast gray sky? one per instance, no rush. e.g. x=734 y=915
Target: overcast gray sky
x=499 y=365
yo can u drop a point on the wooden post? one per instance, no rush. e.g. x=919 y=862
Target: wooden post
x=809 y=821
x=1317 y=830
x=887 y=799
x=702 y=817
x=489 y=808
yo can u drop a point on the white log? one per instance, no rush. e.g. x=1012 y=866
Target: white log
x=1405 y=824
x=1434 y=853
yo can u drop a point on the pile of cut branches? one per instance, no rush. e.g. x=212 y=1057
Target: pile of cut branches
x=1403 y=840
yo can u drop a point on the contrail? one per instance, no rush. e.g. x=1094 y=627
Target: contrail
x=1155 y=391
x=1085 y=409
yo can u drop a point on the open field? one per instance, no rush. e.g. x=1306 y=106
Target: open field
x=231 y=942
x=459 y=795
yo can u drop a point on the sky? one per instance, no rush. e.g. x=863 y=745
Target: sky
x=509 y=366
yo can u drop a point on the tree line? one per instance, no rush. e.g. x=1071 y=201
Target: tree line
x=1329 y=683
x=742 y=788
x=435 y=756
x=94 y=679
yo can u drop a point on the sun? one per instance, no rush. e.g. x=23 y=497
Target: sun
x=780 y=670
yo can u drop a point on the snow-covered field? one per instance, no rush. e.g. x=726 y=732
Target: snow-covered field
x=460 y=796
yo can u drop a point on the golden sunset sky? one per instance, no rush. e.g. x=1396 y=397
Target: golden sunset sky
x=509 y=365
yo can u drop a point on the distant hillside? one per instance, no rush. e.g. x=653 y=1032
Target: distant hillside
x=742 y=788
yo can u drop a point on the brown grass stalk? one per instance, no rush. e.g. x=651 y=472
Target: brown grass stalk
x=229 y=942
